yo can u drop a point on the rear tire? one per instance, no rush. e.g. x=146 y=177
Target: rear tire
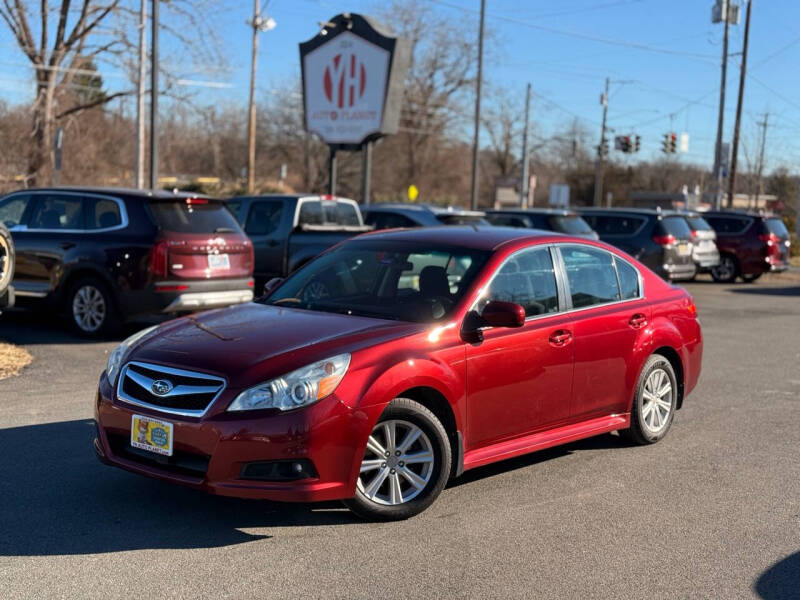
x=90 y=307
x=390 y=486
x=727 y=269
x=655 y=402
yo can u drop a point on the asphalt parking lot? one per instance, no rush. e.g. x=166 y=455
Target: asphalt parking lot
x=712 y=511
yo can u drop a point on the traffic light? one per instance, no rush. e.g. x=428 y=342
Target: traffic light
x=673 y=143
x=637 y=143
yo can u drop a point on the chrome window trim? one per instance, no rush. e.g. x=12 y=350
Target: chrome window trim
x=614 y=257
x=168 y=371
x=123 y=213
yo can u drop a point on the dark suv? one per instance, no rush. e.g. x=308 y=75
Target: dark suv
x=660 y=239
x=749 y=244
x=107 y=255
x=391 y=216
x=561 y=220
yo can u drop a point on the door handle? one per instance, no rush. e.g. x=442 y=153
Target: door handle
x=67 y=245
x=637 y=321
x=560 y=337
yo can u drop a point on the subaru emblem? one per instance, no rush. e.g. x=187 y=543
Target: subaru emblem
x=161 y=387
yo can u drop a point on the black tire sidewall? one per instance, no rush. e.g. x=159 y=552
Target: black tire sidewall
x=6 y=281
x=638 y=433
x=409 y=410
x=111 y=321
x=730 y=279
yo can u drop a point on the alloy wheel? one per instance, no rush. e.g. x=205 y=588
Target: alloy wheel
x=657 y=401
x=398 y=463
x=89 y=308
x=725 y=270
x=5 y=261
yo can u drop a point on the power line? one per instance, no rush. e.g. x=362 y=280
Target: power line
x=592 y=38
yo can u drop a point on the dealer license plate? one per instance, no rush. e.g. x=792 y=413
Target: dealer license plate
x=151 y=435
x=683 y=249
x=219 y=261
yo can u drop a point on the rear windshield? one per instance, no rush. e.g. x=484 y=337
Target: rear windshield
x=461 y=219
x=615 y=224
x=328 y=212
x=570 y=224
x=193 y=215
x=698 y=224
x=676 y=226
x=777 y=227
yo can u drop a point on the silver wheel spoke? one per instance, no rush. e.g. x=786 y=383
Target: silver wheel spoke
x=411 y=437
x=414 y=479
x=376 y=483
x=375 y=446
x=389 y=433
x=395 y=493
x=418 y=457
x=371 y=465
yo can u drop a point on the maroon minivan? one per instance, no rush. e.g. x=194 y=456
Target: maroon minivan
x=750 y=244
x=102 y=256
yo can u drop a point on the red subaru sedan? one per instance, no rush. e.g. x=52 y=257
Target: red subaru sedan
x=398 y=360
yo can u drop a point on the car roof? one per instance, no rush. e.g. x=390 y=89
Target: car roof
x=290 y=197
x=535 y=211
x=477 y=237
x=737 y=213
x=632 y=211
x=436 y=210
x=119 y=191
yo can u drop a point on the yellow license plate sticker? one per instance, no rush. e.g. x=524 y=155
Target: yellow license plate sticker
x=683 y=249
x=151 y=434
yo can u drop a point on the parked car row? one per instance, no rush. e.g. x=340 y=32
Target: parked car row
x=104 y=256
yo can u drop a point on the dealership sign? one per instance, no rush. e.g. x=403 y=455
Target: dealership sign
x=352 y=81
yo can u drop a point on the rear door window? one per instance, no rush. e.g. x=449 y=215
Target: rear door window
x=102 y=213
x=569 y=224
x=777 y=227
x=57 y=212
x=677 y=227
x=264 y=217
x=615 y=224
x=193 y=215
x=528 y=279
x=729 y=225
x=12 y=209
x=591 y=276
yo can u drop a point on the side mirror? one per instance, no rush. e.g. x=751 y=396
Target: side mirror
x=503 y=314
x=272 y=284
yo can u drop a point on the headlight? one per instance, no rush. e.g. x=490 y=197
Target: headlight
x=116 y=356
x=299 y=388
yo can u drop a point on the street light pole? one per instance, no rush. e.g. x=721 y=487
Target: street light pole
x=600 y=172
x=742 y=74
x=474 y=195
x=154 y=100
x=718 y=151
x=140 y=108
x=523 y=187
x=251 y=126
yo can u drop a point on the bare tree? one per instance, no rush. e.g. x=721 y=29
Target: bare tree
x=504 y=120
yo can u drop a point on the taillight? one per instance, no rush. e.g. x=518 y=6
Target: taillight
x=769 y=238
x=664 y=240
x=773 y=243
x=250 y=256
x=694 y=235
x=691 y=307
x=191 y=201
x=158 y=259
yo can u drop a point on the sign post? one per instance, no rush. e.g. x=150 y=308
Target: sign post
x=353 y=72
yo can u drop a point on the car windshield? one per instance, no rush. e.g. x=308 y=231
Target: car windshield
x=193 y=215
x=698 y=224
x=400 y=281
x=776 y=227
x=569 y=224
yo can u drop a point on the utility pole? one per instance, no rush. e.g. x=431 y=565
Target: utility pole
x=140 y=91
x=251 y=125
x=763 y=124
x=718 y=148
x=474 y=195
x=523 y=188
x=154 y=100
x=599 y=172
x=742 y=74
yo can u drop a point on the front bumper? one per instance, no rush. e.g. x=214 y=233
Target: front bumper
x=211 y=453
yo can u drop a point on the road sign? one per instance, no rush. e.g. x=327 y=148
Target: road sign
x=413 y=192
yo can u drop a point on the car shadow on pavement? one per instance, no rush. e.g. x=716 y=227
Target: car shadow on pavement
x=781 y=580
x=24 y=327
x=59 y=499
x=769 y=291
x=600 y=442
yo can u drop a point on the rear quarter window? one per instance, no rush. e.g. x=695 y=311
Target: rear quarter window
x=102 y=213
x=615 y=224
x=776 y=226
x=201 y=215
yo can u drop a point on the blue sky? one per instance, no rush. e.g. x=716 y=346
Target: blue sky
x=663 y=58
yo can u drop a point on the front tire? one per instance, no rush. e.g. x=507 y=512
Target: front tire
x=726 y=271
x=91 y=309
x=406 y=464
x=751 y=277
x=655 y=402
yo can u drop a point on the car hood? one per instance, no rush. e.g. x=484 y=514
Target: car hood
x=251 y=342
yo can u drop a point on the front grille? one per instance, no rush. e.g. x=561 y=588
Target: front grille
x=181 y=463
x=179 y=392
